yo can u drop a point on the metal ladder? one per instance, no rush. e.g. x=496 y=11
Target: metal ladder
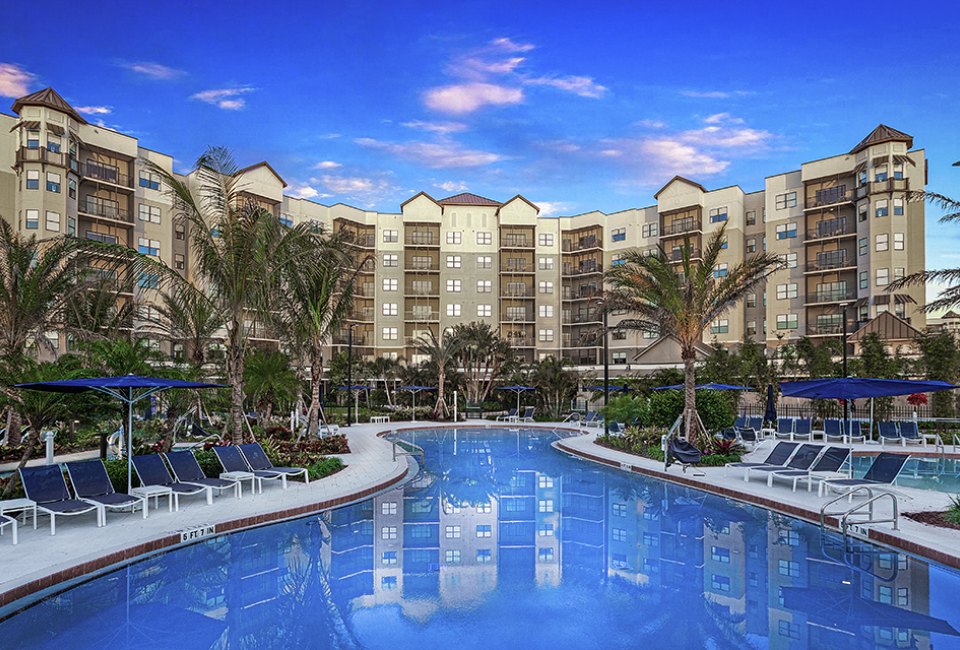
x=850 y=516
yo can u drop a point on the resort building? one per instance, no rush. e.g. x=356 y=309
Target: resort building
x=843 y=225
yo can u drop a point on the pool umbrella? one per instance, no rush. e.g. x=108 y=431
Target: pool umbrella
x=413 y=390
x=770 y=412
x=129 y=389
x=710 y=386
x=517 y=390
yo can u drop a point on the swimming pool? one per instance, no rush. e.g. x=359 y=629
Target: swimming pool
x=503 y=542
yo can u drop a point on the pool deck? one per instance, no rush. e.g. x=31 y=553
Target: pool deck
x=931 y=542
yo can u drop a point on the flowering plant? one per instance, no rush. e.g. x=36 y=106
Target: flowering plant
x=917 y=399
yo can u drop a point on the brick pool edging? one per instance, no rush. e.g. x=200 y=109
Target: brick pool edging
x=874 y=535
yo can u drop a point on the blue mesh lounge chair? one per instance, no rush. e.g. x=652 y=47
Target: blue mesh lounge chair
x=803 y=459
x=233 y=461
x=784 y=429
x=755 y=422
x=889 y=432
x=910 y=432
x=510 y=416
x=617 y=429
x=5 y=521
x=747 y=435
x=883 y=472
x=833 y=430
x=257 y=458
x=91 y=483
x=803 y=429
x=151 y=470
x=827 y=466
x=740 y=422
x=186 y=469
x=682 y=452
x=778 y=458
x=45 y=485
x=856 y=432
x=592 y=419
x=528 y=412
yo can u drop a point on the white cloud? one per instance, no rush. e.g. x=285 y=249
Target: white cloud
x=722 y=118
x=154 y=70
x=442 y=128
x=94 y=110
x=14 y=80
x=716 y=94
x=478 y=68
x=553 y=208
x=508 y=45
x=578 y=85
x=667 y=157
x=440 y=155
x=727 y=138
x=452 y=186
x=365 y=190
x=230 y=99
x=651 y=124
x=466 y=98
x=327 y=164
x=302 y=191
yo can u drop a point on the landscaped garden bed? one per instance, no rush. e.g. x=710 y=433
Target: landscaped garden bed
x=645 y=442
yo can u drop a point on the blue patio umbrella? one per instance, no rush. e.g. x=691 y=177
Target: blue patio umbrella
x=770 y=412
x=517 y=389
x=413 y=390
x=710 y=386
x=129 y=389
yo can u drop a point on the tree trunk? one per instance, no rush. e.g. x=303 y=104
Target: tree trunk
x=689 y=394
x=235 y=365
x=28 y=450
x=440 y=410
x=313 y=414
x=13 y=427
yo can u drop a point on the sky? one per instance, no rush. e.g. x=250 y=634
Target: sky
x=592 y=106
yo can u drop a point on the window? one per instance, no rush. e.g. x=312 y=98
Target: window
x=72 y=188
x=389 y=309
x=898 y=272
x=788 y=537
x=452 y=556
x=388 y=508
x=546 y=336
x=787 y=291
x=787 y=231
x=53 y=182
x=484 y=238
x=650 y=230
x=883 y=277
x=390 y=236
x=883 y=242
x=33 y=139
x=33 y=180
x=485 y=262
x=454 y=237
x=618 y=234
x=881 y=209
x=903 y=597
x=451 y=532
x=790 y=259
x=546 y=287
x=617 y=260
x=787 y=321
x=720 y=326
x=720 y=583
x=864 y=281
x=179 y=262
x=751 y=300
x=52 y=221
x=545 y=311
x=454 y=262
x=618 y=534
x=148 y=280
x=751 y=245
x=149 y=180
x=390 y=334
x=545 y=505
x=545 y=554
x=544 y=482
x=881 y=173
x=150 y=213
x=286 y=220
x=720 y=270
x=545 y=263
x=388 y=532
x=389 y=284
x=788 y=629
x=391 y=259
x=898 y=241
x=898 y=207
x=788 y=200
x=619 y=358
x=485 y=310
x=454 y=286
x=545 y=530
x=180 y=233
x=545 y=239
x=788 y=568
x=718 y=214
x=148 y=247
x=484 y=556
x=862 y=246
x=388 y=558
x=453 y=309
x=751 y=217
x=484 y=286
x=619 y=509
x=484 y=530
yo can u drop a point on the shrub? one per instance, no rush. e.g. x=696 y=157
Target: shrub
x=325 y=467
x=953 y=512
x=207 y=459
x=117 y=471
x=665 y=407
x=626 y=409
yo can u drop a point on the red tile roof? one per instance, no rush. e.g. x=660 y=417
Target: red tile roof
x=466 y=198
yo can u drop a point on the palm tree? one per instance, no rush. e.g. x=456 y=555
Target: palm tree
x=270 y=381
x=482 y=355
x=442 y=353
x=188 y=316
x=556 y=383
x=683 y=300
x=239 y=250
x=386 y=370
x=949 y=298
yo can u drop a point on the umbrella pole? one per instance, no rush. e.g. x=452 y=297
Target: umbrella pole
x=871 y=419
x=413 y=413
x=518 y=405
x=129 y=440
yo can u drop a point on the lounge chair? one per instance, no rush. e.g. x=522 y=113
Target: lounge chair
x=803 y=459
x=833 y=430
x=186 y=469
x=44 y=484
x=884 y=471
x=778 y=458
x=258 y=461
x=684 y=453
x=784 y=429
x=748 y=434
x=617 y=429
x=910 y=432
x=740 y=422
x=152 y=471
x=6 y=520
x=92 y=484
x=856 y=432
x=889 y=432
x=233 y=461
x=828 y=464
x=755 y=422
x=803 y=429
x=510 y=416
x=591 y=419
x=527 y=414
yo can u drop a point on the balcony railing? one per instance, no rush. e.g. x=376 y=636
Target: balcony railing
x=681 y=226
x=101 y=237
x=832 y=295
x=105 y=173
x=582 y=293
x=832 y=228
x=585 y=268
x=106 y=209
x=423 y=290
x=422 y=315
x=518 y=316
x=516 y=241
x=359 y=240
x=827 y=261
x=364 y=314
x=584 y=316
x=516 y=266
x=30 y=154
x=517 y=290
x=581 y=244
x=359 y=340
x=830 y=196
x=420 y=238
x=889 y=185
x=421 y=265
x=676 y=255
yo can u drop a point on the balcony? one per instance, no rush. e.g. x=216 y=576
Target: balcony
x=422 y=315
x=516 y=241
x=582 y=244
x=364 y=314
x=359 y=340
x=30 y=154
x=831 y=261
x=103 y=238
x=516 y=266
x=676 y=255
x=423 y=290
x=680 y=227
x=586 y=316
x=831 y=295
x=888 y=185
x=105 y=209
x=832 y=228
x=829 y=196
x=515 y=315
x=583 y=293
x=358 y=240
x=421 y=265
x=584 y=268
x=422 y=238
x=517 y=291
x=105 y=174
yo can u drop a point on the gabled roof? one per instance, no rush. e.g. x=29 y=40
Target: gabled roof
x=466 y=198
x=682 y=180
x=950 y=315
x=262 y=163
x=51 y=99
x=883 y=133
x=666 y=350
x=888 y=327
x=525 y=200
x=417 y=196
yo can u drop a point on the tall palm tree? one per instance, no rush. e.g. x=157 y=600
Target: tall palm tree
x=190 y=317
x=683 y=299
x=949 y=298
x=482 y=355
x=270 y=381
x=239 y=250
x=386 y=370
x=442 y=354
x=556 y=382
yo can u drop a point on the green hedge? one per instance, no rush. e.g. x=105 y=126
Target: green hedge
x=662 y=408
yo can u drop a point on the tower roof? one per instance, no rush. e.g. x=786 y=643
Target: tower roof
x=883 y=133
x=466 y=198
x=51 y=99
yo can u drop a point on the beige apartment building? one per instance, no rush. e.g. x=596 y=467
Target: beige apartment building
x=843 y=225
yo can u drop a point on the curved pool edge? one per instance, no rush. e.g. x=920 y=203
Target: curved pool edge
x=927 y=542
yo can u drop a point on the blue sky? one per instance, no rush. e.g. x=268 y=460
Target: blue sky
x=583 y=108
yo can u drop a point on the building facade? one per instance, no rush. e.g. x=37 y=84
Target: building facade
x=843 y=225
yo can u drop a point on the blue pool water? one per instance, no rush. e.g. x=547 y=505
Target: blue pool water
x=925 y=473
x=503 y=542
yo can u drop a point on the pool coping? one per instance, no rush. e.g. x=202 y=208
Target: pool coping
x=896 y=541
